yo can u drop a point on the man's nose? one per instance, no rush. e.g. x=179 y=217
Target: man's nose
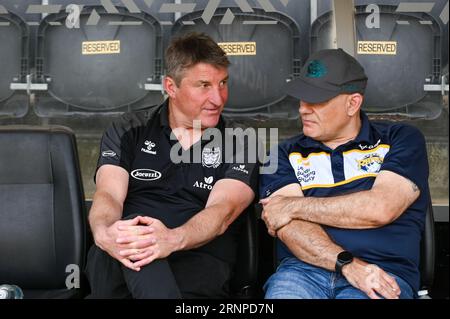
x=305 y=108
x=218 y=96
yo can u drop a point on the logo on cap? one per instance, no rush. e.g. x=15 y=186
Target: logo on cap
x=316 y=69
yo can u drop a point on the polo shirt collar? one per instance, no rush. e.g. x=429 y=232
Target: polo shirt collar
x=164 y=114
x=365 y=132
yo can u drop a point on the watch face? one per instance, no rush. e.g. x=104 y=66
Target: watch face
x=345 y=257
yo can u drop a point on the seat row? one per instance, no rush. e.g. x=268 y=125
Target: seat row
x=114 y=61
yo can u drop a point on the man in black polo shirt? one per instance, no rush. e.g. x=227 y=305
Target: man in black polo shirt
x=349 y=198
x=163 y=227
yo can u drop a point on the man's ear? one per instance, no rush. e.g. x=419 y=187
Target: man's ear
x=170 y=86
x=354 y=103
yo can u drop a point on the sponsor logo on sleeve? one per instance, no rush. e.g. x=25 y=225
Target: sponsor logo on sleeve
x=108 y=154
x=241 y=169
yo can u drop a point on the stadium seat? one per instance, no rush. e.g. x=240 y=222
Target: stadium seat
x=399 y=80
x=264 y=49
x=42 y=214
x=111 y=64
x=14 y=65
x=427 y=256
x=244 y=280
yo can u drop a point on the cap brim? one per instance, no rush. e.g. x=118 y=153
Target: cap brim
x=309 y=93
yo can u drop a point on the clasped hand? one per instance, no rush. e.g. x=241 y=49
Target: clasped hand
x=276 y=213
x=139 y=241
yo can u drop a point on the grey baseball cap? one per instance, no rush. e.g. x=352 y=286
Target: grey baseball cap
x=327 y=74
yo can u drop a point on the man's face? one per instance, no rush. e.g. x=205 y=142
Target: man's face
x=325 y=122
x=201 y=95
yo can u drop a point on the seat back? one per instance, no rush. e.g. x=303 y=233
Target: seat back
x=113 y=59
x=253 y=41
x=427 y=254
x=394 y=86
x=42 y=215
x=243 y=283
x=14 y=65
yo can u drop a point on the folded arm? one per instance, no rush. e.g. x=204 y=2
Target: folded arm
x=310 y=243
x=389 y=197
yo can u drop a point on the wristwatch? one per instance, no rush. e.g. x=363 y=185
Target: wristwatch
x=343 y=259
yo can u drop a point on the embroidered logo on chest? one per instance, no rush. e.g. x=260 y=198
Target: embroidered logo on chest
x=313 y=169
x=304 y=169
x=370 y=163
x=211 y=157
x=149 y=149
x=305 y=174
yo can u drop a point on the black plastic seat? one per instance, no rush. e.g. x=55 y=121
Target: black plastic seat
x=244 y=281
x=114 y=61
x=42 y=214
x=256 y=82
x=427 y=255
x=14 y=65
x=394 y=87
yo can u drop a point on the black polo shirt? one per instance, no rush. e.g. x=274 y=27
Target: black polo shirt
x=173 y=192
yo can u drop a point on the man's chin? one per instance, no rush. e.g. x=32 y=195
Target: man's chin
x=310 y=134
x=210 y=121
